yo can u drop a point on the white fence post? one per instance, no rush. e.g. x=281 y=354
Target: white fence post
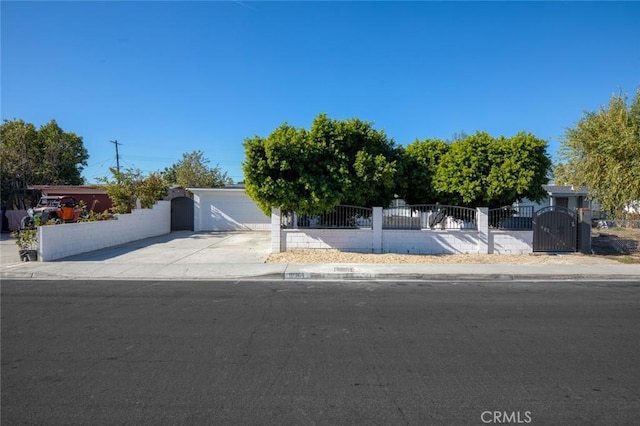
x=376 y=226
x=275 y=230
x=482 y=219
x=41 y=249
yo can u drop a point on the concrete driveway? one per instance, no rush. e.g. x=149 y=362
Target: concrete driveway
x=8 y=250
x=184 y=247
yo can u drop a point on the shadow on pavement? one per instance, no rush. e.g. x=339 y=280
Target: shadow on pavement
x=162 y=244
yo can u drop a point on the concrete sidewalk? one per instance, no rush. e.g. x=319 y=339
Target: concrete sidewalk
x=241 y=255
x=250 y=271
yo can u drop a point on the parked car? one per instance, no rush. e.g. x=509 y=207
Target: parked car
x=59 y=209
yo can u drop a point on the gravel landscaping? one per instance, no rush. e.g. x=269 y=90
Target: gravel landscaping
x=342 y=257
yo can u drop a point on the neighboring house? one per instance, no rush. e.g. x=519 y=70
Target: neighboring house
x=94 y=195
x=564 y=196
x=567 y=196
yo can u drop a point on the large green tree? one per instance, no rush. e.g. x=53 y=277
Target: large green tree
x=416 y=171
x=46 y=156
x=520 y=166
x=17 y=154
x=193 y=171
x=481 y=170
x=602 y=152
x=462 y=171
x=334 y=162
x=363 y=160
x=562 y=174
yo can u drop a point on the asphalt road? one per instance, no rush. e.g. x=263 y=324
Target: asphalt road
x=325 y=353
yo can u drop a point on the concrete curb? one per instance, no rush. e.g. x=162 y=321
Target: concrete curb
x=460 y=272
x=295 y=276
x=341 y=276
x=54 y=277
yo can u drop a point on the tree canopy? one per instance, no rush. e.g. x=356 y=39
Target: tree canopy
x=478 y=170
x=129 y=185
x=602 y=152
x=349 y=162
x=193 y=171
x=417 y=169
x=334 y=162
x=44 y=156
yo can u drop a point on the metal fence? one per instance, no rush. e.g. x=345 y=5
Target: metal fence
x=616 y=223
x=419 y=216
x=429 y=216
x=510 y=217
x=342 y=217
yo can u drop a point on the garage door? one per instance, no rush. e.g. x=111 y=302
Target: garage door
x=227 y=210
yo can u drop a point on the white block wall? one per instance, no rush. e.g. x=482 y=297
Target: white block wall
x=429 y=242
x=59 y=241
x=511 y=242
x=405 y=241
x=352 y=240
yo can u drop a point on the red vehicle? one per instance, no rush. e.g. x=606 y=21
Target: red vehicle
x=59 y=209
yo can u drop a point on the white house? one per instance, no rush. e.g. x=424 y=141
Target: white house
x=563 y=196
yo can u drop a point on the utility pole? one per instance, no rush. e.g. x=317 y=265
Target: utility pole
x=116 y=143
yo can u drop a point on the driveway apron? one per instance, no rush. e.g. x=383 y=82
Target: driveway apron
x=188 y=247
x=183 y=247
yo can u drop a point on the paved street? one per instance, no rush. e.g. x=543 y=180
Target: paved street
x=314 y=352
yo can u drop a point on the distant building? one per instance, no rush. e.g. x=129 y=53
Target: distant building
x=564 y=196
x=94 y=195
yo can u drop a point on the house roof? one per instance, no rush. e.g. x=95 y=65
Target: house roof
x=565 y=190
x=69 y=189
x=237 y=187
x=224 y=189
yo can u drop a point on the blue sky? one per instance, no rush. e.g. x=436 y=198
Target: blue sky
x=164 y=78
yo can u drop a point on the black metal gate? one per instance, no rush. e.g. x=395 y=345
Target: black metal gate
x=182 y=214
x=555 y=229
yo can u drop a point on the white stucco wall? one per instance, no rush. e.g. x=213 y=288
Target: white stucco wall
x=59 y=241
x=227 y=209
